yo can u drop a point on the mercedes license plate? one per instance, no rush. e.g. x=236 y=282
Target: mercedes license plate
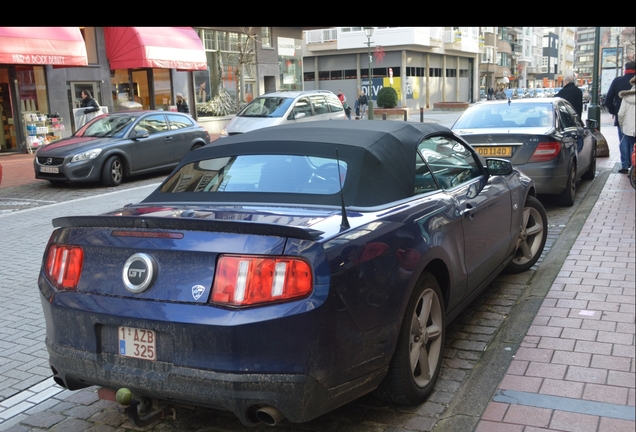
x=137 y=343
x=494 y=151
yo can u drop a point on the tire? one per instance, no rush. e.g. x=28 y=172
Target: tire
x=532 y=237
x=566 y=198
x=591 y=171
x=112 y=172
x=632 y=176
x=417 y=359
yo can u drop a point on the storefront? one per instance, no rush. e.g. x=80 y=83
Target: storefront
x=150 y=65
x=25 y=53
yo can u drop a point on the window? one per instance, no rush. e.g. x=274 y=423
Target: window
x=266 y=37
x=152 y=124
x=334 y=104
x=320 y=104
x=179 y=122
x=452 y=163
x=451 y=73
x=435 y=72
x=309 y=76
x=424 y=181
x=260 y=173
x=88 y=33
x=301 y=109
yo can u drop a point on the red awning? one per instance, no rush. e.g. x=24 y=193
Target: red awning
x=58 y=46
x=154 y=47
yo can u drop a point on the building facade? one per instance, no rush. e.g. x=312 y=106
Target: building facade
x=423 y=64
x=130 y=68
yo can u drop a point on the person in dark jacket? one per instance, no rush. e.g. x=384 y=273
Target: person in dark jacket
x=613 y=104
x=182 y=105
x=89 y=103
x=571 y=93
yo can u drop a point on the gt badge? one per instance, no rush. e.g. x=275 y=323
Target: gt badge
x=197 y=291
x=139 y=272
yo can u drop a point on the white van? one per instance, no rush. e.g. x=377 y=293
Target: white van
x=284 y=107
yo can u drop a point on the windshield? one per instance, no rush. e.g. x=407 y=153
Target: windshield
x=260 y=173
x=266 y=107
x=506 y=116
x=108 y=126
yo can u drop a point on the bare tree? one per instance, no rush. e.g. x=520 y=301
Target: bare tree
x=245 y=58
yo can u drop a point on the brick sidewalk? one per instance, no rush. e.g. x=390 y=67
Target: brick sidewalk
x=575 y=370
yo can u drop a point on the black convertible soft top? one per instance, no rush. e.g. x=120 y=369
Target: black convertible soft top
x=380 y=157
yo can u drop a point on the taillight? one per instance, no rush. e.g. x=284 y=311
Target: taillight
x=546 y=151
x=63 y=265
x=251 y=280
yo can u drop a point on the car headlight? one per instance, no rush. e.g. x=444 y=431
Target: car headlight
x=224 y=132
x=91 y=154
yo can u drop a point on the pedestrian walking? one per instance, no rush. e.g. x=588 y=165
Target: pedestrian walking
x=627 y=122
x=364 y=104
x=613 y=104
x=182 y=105
x=345 y=105
x=571 y=93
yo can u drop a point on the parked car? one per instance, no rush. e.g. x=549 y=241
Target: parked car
x=284 y=107
x=286 y=272
x=118 y=145
x=540 y=93
x=0 y=173
x=519 y=93
x=545 y=139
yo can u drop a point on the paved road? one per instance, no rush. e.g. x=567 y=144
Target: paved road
x=29 y=400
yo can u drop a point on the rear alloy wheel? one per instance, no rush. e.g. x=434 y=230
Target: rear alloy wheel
x=417 y=360
x=632 y=176
x=112 y=171
x=534 y=232
x=566 y=198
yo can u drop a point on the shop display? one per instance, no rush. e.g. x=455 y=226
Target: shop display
x=42 y=129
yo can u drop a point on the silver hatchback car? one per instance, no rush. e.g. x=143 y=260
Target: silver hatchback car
x=283 y=107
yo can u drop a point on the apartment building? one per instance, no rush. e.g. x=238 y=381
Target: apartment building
x=424 y=64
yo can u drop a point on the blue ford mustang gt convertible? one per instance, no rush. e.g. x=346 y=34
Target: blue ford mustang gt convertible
x=287 y=271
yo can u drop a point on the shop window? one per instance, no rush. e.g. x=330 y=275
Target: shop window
x=309 y=76
x=88 y=33
x=350 y=74
x=163 y=89
x=32 y=89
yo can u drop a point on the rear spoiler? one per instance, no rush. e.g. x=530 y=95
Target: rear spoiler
x=226 y=226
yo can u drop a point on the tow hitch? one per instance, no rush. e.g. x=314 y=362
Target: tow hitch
x=132 y=407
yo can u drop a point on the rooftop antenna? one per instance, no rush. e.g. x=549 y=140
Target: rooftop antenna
x=344 y=224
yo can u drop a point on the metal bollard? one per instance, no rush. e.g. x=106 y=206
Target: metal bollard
x=405 y=116
x=383 y=116
x=421 y=115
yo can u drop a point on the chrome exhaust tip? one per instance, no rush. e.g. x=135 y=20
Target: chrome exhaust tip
x=269 y=415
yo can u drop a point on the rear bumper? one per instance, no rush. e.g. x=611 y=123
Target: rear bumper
x=299 y=397
x=548 y=180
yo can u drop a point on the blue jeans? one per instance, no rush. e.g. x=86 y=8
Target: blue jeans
x=626 y=146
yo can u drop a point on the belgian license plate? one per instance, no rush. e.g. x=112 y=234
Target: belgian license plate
x=138 y=343
x=52 y=170
x=494 y=151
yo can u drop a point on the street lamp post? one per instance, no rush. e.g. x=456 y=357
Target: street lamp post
x=369 y=32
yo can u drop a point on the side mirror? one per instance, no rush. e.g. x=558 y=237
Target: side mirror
x=499 y=166
x=137 y=134
x=591 y=124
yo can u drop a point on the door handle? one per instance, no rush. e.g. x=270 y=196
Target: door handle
x=168 y=139
x=468 y=212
